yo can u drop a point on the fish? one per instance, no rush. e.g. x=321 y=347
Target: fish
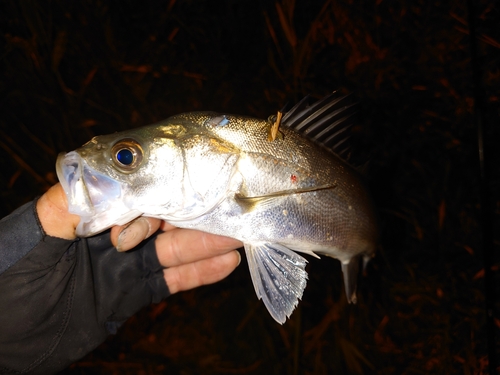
x=280 y=185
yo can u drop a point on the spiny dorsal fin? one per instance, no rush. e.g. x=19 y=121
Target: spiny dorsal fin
x=326 y=122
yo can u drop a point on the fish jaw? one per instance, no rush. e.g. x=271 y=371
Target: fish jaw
x=93 y=196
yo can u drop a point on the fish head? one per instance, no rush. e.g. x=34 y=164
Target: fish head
x=115 y=178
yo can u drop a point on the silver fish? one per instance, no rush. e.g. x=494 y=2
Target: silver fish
x=225 y=174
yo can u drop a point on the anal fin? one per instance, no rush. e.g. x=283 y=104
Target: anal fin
x=279 y=277
x=350 y=271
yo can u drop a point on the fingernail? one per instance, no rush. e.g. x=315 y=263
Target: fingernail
x=133 y=234
x=239 y=258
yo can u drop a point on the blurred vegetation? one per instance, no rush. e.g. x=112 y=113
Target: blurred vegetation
x=71 y=70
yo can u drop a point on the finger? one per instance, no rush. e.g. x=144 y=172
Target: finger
x=126 y=237
x=203 y=272
x=164 y=226
x=181 y=246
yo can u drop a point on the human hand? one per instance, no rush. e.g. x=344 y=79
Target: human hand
x=52 y=210
x=192 y=258
x=89 y=288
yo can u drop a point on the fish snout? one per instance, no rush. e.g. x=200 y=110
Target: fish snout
x=88 y=191
x=69 y=171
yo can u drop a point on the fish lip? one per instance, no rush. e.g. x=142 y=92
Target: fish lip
x=69 y=172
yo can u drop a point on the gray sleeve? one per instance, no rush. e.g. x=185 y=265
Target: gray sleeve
x=19 y=234
x=59 y=299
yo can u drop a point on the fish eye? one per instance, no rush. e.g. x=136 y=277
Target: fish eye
x=127 y=154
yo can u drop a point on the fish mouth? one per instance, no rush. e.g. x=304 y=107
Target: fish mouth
x=90 y=194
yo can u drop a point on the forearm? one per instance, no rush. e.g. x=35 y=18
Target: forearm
x=59 y=298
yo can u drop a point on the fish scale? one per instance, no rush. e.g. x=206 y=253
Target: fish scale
x=222 y=174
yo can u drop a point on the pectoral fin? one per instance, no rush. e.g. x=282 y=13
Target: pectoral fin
x=249 y=203
x=350 y=271
x=278 y=276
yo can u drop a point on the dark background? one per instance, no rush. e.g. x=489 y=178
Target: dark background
x=71 y=70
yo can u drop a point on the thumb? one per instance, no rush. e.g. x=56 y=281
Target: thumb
x=52 y=210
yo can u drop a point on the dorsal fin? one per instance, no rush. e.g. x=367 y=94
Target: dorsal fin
x=326 y=122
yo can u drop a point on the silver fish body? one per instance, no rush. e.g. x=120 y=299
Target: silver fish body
x=222 y=174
